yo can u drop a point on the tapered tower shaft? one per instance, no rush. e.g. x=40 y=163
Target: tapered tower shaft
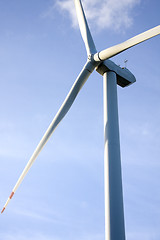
x=114 y=213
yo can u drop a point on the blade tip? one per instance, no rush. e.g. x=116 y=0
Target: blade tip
x=3 y=210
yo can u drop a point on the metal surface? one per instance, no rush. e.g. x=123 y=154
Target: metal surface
x=81 y=79
x=85 y=32
x=124 y=76
x=112 y=51
x=114 y=214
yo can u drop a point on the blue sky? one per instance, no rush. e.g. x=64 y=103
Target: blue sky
x=41 y=54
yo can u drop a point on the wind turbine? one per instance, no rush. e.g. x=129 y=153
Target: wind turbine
x=112 y=75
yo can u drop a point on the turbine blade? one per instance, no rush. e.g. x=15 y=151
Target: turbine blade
x=81 y=79
x=112 y=51
x=85 y=32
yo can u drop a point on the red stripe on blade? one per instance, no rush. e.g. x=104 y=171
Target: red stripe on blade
x=3 y=210
x=11 y=195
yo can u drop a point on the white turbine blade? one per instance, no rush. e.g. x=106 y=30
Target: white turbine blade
x=112 y=51
x=85 y=32
x=81 y=79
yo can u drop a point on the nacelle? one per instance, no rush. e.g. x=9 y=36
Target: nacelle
x=124 y=76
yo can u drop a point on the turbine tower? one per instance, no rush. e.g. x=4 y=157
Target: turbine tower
x=112 y=75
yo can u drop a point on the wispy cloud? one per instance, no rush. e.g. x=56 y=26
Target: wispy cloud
x=36 y=216
x=25 y=236
x=113 y=14
x=42 y=236
x=143 y=234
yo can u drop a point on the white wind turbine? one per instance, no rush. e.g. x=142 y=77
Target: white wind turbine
x=112 y=75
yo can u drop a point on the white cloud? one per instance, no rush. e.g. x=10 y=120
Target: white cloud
x=102 y=14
